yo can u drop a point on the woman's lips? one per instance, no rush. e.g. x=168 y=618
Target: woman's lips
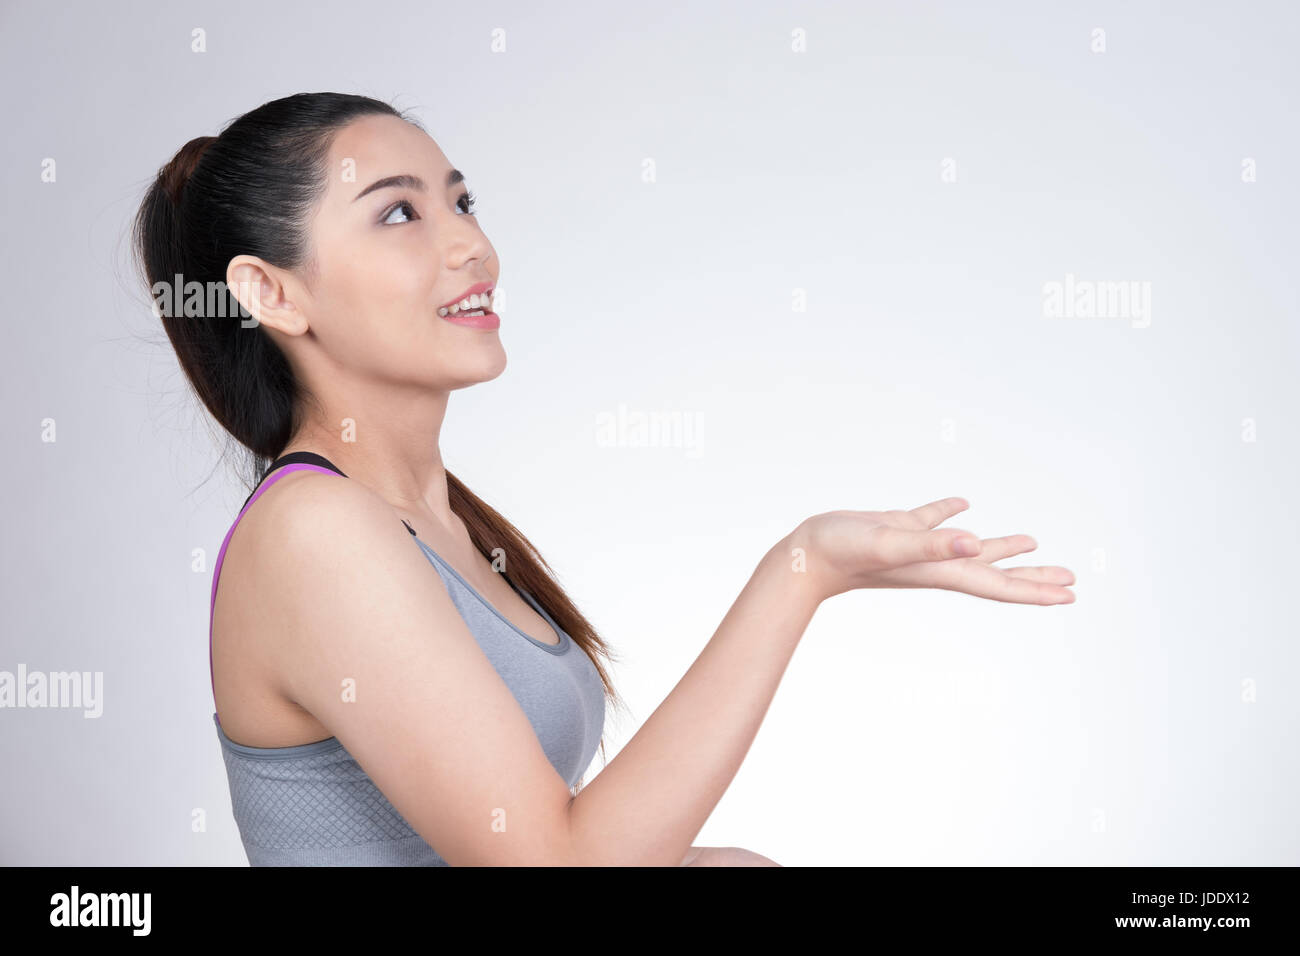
x=488 y=320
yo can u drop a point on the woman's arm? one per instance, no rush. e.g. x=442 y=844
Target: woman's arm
x=387 y=664
x=653 y=798
x=647 y=805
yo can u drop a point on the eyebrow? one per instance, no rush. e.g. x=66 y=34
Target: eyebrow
x=407 y=181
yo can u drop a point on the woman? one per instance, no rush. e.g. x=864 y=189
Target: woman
x=369 y=711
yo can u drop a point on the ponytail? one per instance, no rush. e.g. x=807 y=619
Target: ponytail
x=176 y=174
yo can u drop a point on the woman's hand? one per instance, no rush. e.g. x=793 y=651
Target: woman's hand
x=847 y=550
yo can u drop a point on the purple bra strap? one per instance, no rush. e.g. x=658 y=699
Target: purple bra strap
x=269 y=480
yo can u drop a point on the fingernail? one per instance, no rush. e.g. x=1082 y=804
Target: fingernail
x=967 y=546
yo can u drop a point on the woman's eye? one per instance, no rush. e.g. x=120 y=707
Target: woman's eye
x=404 y=204
x=467 y=203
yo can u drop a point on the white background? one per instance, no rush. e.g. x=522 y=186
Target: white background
x=912 y=727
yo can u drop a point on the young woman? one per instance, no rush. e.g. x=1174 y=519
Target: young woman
x=398 y=677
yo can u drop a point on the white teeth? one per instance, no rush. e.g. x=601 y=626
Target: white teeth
x=468 y=303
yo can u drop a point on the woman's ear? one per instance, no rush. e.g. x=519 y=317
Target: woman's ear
x=259 y=290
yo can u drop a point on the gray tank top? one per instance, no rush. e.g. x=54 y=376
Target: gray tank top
x=313 y=804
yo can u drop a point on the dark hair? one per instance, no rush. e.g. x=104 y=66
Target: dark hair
x=251 y=191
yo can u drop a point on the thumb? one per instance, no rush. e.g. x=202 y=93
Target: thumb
x=899 y=546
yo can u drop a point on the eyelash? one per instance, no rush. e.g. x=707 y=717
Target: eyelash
x=469 y=199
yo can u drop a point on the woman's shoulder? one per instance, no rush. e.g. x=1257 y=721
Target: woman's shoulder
x=324 y=512
x=320 y=549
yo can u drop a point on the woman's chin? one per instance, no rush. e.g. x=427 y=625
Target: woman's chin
x=475 y=372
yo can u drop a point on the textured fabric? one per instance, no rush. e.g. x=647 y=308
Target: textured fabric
x=313 y=805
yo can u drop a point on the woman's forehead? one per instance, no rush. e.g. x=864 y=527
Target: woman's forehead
x=377 y=146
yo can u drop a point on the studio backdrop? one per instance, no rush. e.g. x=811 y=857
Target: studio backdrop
x=758 y=261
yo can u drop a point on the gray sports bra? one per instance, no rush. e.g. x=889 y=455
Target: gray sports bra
x=313 y=804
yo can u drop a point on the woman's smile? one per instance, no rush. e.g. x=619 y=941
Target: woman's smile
x=473 y=308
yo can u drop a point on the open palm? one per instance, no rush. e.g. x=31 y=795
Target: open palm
x=905 y=549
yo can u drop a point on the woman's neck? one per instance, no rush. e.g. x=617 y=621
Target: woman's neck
x=415 y=486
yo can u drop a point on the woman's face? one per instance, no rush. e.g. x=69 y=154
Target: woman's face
x=387 y=258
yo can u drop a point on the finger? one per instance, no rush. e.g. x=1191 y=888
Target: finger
x=937 y=512
x=897 y=546
x=1049 y=575
x=995 y=549
x=982 y=580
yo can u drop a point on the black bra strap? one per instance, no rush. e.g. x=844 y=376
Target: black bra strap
x=305 y=458
x=294 y=458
